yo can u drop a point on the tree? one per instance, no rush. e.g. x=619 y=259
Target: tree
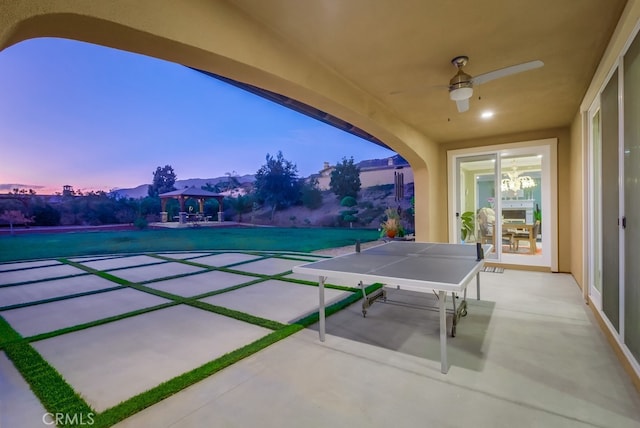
x=345 y=179
x=15 y=217
x=349 y=215
x=277 y=183
x=164 y=180
x=311 y=195
x=46 y=215
x=241 y=204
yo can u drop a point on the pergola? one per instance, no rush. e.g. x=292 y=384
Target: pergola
x=190 y=193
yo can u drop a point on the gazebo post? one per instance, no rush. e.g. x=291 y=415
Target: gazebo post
x=220 y=210
x=183 y=213
x=163 y=214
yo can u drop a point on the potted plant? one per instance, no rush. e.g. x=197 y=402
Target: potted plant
x=392 y=227
x=467 y=228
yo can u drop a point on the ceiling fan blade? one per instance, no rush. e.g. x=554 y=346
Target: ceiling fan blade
x=503 y=72
x=463 y=105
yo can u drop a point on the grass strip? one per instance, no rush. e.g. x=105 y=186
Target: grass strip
x=241 y=316
x=36 y=281
x=7 y=334
x=96 y=323
x=17 y=269
x=227 y=289
x=96 y=272
x=141 y=401
x=60 y=298
x=55 y=394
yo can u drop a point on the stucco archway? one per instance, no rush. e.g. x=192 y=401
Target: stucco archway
x=215 y=37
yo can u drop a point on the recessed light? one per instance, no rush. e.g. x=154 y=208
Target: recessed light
x=486 y=114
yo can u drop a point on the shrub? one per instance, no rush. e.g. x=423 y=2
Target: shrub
x=311 y=196
x=348 y=201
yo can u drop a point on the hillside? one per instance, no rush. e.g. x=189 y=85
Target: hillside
x=372 y=202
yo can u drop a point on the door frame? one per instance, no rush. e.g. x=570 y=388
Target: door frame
x=594 y=214
x=550 y=192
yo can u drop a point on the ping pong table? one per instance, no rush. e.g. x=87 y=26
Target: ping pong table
x=412 y=266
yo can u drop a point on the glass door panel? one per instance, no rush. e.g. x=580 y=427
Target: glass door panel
x=610 y=202
x=631 y=218
x=521 y=204
x=475 y=200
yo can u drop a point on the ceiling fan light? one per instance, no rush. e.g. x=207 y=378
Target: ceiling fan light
x=460 y=94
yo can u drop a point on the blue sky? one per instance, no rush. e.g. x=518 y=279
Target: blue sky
x=99 y=118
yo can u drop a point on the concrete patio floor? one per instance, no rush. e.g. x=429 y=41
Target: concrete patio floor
x=530 y=354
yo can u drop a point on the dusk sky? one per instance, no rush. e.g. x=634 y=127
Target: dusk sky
x=97 y=119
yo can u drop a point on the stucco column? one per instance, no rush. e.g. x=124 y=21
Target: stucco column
x=164 y=216
x=220 y=210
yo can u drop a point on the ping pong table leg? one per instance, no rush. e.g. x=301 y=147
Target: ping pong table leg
x=478 y=285
x=442 y=296
x=321 y=328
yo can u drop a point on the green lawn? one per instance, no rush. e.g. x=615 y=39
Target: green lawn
x=72 y=244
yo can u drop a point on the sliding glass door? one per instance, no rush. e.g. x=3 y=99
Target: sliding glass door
x=630 y=213
x=502 y=196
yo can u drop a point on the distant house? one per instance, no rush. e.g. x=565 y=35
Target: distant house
x=373 y=172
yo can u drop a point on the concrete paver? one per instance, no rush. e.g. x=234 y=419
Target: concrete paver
x=46 y=317
x=36 y=291
x=225 y=259
x=271 y=266
x=182 y=255
x=115 y=361
x=147 y=273
x=24 y=265
x=19 y=407
x=280 y=301
x=120 y=262
x=90 y=258
x=40 y=273
x=201 y=283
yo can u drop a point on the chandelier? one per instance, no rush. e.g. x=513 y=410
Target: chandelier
x=516 y=182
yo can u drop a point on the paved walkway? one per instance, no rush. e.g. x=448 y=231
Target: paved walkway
x=529 y=354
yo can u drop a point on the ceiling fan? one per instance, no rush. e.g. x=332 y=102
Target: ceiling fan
x=461 y=85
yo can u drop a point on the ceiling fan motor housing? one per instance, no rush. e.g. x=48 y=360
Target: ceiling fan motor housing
x=460 y=85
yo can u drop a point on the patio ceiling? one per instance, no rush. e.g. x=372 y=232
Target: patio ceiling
x=400 y=53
